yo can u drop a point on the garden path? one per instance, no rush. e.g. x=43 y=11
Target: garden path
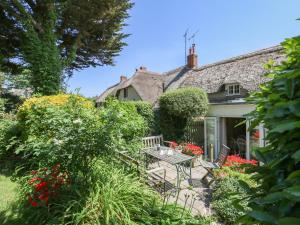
x=194 y=195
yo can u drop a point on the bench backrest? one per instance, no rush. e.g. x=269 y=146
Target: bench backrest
x=223 y=155
x=129 y=161
x=152 y=141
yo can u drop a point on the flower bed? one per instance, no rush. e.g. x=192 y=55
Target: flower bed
x=45 y=184
x=236 y=160
x=193 y=150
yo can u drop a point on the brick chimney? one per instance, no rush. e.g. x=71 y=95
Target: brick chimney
x=192 y=58
x=123 y=78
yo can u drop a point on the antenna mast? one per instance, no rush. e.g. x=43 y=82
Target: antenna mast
x=193 y=36
x=185 y=43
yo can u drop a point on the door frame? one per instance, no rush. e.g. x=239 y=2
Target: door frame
x=217 y=139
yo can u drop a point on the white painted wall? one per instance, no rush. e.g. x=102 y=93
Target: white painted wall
x=230 y=110
x=132 y=94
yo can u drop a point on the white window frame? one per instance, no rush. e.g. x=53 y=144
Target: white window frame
x=235 y=88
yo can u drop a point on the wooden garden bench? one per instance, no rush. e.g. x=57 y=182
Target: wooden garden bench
x=152 y=176
x=217 y=164
x=152 y=141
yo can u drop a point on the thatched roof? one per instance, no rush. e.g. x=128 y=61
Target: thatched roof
x=109 y=91
x=247 y=70
x=147 y=84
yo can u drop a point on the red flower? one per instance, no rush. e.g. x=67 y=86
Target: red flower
x=33 y=172
x=234 y=160
x=33 y=203
x=34 y=179
x=40 y=186
x=256 y=134
x=173 y=144
x=193 y=149
x=44 y=197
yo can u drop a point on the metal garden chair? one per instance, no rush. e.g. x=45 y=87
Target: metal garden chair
x=217 y=164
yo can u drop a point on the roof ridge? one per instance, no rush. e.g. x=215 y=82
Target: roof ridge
x=172 y=71
x=243 y=56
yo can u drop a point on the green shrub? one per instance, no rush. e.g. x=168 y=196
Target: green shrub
x=177 y=107
x=67 y=133
x=112 y=197
x=8 y=133
x=276 y=200
x=145 y=110
x=227 y=194
x=122 y=127
x=2 y=108
x=184 y=102
x=121 y=198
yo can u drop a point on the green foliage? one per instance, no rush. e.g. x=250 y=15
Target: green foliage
x=178 y=107
x=122 y=128
x=277 y=106
x=2 y=106
x=2 y=79
x=112 y=197
x=8 y=132
x=121 y=198
x=53 y=37
x=63 y=129
x=184 y=102
x=145 y=110
x=12 y=102
x=230 y=195
x=67 y=133
x=18 y=81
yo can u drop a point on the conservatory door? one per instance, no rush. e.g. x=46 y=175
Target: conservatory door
x=255 y=139
x=211 y=137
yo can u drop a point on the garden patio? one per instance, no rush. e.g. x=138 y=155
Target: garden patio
x=193 y=194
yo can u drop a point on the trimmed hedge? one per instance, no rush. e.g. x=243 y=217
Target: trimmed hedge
x=177 y=107
x=185 y=102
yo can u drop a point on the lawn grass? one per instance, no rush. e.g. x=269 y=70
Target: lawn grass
x=7 y=192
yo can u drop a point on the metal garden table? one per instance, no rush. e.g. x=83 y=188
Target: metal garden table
x=182 y=162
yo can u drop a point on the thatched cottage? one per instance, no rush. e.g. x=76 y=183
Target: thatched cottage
x=226 y=82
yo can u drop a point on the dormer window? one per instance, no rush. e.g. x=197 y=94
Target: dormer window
x=233 y=89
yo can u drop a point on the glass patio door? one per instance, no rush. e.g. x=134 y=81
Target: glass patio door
x=255 y=139
x=211 y=137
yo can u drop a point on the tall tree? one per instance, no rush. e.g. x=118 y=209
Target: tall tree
x=52 y=38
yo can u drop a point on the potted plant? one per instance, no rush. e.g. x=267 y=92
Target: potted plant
x=192 y=150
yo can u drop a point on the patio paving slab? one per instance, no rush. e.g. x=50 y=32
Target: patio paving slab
x=194 y=195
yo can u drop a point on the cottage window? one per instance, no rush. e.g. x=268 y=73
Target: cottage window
x=233 y=89
x=125 y=92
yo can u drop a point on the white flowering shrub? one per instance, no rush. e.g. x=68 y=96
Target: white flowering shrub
x=67 y=134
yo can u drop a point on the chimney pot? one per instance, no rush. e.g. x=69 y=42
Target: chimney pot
x=192 y=58
x=123 y=78
x=143 y=68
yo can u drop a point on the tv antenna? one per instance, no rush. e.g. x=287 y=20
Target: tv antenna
x=192 y=37
x=185 y=43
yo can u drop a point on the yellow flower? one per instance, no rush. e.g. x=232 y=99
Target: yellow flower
x=58 y=100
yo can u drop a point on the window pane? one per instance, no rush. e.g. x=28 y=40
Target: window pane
x=210 y=137
x=236 y=89
x=230 y=89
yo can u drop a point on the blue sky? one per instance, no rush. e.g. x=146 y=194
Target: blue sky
x=227 y=28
